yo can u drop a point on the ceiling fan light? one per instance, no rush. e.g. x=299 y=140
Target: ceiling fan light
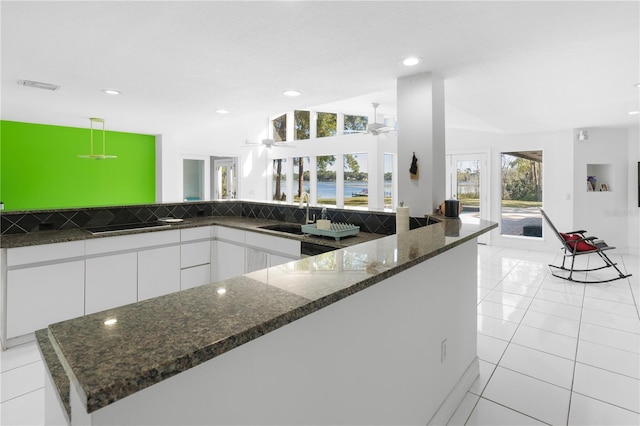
x=411 y=61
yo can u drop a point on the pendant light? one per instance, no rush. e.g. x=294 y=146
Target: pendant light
x=103 y=155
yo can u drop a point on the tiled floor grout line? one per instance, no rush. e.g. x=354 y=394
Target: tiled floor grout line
x=23 y=394
x=575 y=357
x=481 y=393
x=20 y=366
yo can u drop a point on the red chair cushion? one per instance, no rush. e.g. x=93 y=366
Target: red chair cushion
x=581 y=245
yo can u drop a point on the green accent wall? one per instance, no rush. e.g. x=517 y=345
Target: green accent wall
x=40 y=168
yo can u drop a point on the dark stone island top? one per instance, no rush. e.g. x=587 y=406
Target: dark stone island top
x=158 y=338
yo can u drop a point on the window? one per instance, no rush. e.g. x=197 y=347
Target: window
x=302 y=125
x=327 y=124
x=193 y=180
x=388 y=181
x=300 y=177
x=521 y=193
x=279 y=127
x=356 y=180
x=355 y=124
x=279 y=179
x=326 y=186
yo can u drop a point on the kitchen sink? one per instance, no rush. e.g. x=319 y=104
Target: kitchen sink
x=126 y=227
x=289 y=228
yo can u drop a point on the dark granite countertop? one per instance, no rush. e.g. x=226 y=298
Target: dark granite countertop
x=238 y=222
x=161 y=337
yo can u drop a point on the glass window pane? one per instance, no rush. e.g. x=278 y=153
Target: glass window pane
x=468 y=189
x=302 y=125
x=279 y=128
x=356 y=180
x=355 y=124
x=521 y=193
x=193 y=180
x=279 y=179
x=300 y=177
x=326 y=172
x=388 y=181
x=327 y=124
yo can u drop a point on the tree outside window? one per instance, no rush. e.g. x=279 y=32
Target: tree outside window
x=327 y=124
x=302 y=125
x=521 y=177
x=355 y=124
x=279 y=127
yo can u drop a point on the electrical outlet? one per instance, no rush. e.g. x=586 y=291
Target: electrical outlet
x=443 y=350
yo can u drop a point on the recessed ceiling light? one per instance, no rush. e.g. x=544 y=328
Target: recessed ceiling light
x=291 y=93
x=111 y=91
x=222 y=111
x=633 y=112
x=411 y=61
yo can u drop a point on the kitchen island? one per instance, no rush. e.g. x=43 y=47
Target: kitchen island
x=382 y=332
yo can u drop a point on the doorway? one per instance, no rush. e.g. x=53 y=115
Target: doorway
x=467 y=180
x=225 y=179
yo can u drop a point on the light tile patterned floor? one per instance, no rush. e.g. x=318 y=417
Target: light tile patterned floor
x=551 y=352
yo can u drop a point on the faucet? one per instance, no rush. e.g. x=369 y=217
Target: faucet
x=302 y=197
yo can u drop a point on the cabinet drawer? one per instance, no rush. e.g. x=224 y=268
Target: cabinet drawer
x=190 y=234
x=129 y=242
x=44 y=253
x=230 y=234
x=192 y=254
x=194 y=277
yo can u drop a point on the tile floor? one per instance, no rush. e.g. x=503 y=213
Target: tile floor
x=551 y=352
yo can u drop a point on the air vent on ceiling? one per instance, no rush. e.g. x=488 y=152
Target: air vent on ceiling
x=38 y=85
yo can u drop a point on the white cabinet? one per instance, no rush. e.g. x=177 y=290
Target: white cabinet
x=43 y=295
x=158 y=272
x=195 y=276
x=111 y=281
x=229 y=260
x=195 y=257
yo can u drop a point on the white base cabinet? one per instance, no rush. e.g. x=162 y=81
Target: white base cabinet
x=195 y=276
x=43 y=295
x=49 y=283
x=158 y=272
x=111 y=281
x=229 y=260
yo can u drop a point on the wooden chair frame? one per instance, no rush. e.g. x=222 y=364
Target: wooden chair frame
x=571 y=248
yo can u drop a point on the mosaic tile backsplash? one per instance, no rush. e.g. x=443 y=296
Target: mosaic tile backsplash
x=41 y=220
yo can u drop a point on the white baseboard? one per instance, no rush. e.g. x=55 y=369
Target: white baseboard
x=451 y=402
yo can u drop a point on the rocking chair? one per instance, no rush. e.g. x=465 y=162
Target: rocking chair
x=575 y=243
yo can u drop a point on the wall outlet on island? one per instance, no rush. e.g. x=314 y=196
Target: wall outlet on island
x=443 y=350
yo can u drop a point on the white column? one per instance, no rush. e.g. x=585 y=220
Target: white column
x=421 y=130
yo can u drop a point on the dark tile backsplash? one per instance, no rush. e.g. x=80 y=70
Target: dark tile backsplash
x=23 y=222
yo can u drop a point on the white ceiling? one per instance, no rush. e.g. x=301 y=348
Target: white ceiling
x=512 y=67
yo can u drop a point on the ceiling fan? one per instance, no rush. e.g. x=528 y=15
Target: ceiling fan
x=376 y=128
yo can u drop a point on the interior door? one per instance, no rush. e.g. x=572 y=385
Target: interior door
x=467 y=182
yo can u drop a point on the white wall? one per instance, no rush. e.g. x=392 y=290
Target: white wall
x=557 y=195
x=604 y=214
x=633 y=211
